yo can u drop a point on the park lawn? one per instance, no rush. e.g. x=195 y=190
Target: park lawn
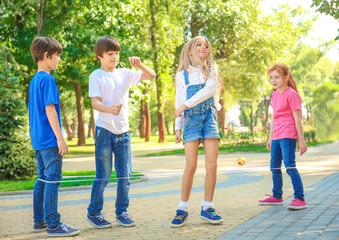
x=11 y=185
x=228 y=149
x=137 y=144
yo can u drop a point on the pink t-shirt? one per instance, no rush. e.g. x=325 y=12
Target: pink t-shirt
x=283 y=105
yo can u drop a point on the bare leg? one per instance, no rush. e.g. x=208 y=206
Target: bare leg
x=191 y=152
x=211 y=147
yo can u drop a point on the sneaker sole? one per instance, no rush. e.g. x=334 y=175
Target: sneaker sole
x=296 y=208
x=179 y=225
x=125 y=225
x=63 y=234
x=39 y=230
x=212 y=221
x=98 y=226
x=271 y=203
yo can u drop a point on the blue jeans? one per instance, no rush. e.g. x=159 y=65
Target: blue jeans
x=45 y=195
x=107 y=143
x=285 y=149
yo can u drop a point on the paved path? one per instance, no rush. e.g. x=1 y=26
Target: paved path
x=319 y=221
x=153 y=202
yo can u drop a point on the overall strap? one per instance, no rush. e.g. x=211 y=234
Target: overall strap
x=186 y=77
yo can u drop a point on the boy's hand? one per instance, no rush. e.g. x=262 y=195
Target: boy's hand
x=135 y=61
x=62 y=146
x=177 y=136
x=180 y=110
x=302 y=147
x=115 y=109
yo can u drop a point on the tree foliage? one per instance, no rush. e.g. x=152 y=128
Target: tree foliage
x=16 y=157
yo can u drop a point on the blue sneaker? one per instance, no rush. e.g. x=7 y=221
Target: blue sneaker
x=125 y=219
x=62 y=230
x=179 y=219
x=39 y=226
x=98 y=221
x=211 y=216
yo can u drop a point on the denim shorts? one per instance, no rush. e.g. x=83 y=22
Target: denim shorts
x=200 y=124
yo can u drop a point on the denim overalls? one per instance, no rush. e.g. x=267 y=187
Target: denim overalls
x=200 y=121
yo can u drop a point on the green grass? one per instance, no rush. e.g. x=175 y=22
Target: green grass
x=228 y=149
x=6 y=186
x=222 y=149
x=137 y=144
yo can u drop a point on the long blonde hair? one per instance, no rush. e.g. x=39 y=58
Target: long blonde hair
x=283 y=70
x=186 y=60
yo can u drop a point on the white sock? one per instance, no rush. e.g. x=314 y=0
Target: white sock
x=206 y=205
x=183 y=206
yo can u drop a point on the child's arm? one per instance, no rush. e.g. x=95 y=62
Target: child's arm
x=99 y=106
x=147 y=72
x=179 y=88
x=269 y=142
x=203 y=94
x=54 y=122
x=302 y=143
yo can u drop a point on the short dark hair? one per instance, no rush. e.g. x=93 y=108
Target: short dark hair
x=40 y=45
x=106 y=44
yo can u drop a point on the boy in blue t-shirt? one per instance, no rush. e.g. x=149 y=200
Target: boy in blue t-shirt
x=47 y=140
x=108 y=90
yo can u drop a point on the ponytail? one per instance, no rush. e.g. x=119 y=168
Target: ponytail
x=291 y=82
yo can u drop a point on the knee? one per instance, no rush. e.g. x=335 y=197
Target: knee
x=276 y=171
x=211 y=168
x=190 y=168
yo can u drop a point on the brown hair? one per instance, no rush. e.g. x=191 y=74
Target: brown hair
x=283 y=70
x=106 y=44
x=40 y=45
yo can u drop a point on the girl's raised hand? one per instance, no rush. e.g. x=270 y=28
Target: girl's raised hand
x=135 y=61
x=178 y=112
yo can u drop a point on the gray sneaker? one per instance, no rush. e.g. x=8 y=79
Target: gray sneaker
x=98 y=221
x=62 y=230
x=40 y=226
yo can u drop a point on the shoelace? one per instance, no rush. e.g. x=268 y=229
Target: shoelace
x=101 y=216
x=65 y=226
x=126 y=215
x=179 y=217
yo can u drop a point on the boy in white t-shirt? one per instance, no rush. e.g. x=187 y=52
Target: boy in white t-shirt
x=108 y=90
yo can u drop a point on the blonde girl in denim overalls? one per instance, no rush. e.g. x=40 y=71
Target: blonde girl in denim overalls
x=196 y=112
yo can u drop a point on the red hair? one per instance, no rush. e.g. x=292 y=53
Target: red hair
x=283 y=70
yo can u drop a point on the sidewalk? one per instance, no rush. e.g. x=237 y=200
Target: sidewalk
x=319 y=221
x=153 y=202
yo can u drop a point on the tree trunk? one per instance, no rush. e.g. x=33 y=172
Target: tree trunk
x=267 y=105
x=142 y=126
x=221 y=116
x=91 y=125
x=81 y=124
x=40 y=20
x=158 y=82
x=251 y=118
x=65 y=123
x=147 y=123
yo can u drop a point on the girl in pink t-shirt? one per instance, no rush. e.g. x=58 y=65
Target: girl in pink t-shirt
x=287 y=129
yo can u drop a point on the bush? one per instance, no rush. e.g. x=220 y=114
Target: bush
x=16 y=156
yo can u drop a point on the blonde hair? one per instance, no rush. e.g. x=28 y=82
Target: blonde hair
x=186 y=60
x=283 y=70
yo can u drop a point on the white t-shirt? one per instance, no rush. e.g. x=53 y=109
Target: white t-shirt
x=113 y=89
x=195 y=77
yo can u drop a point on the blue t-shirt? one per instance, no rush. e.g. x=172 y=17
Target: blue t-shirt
x=43 y=91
